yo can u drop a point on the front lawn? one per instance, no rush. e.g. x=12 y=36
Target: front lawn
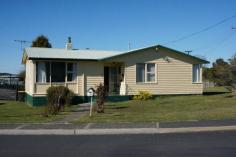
x=216 y=89
x=19 y=112
x=168 y=108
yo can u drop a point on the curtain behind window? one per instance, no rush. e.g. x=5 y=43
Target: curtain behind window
x=42 y=72
x=140 y=72
x=196 y=73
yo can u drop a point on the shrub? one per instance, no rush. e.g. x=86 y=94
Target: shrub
x=57 y=97
x=101 y=95
x=143 y=95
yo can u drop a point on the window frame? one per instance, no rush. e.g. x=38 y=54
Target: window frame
x=146 y=73
x=75 y=71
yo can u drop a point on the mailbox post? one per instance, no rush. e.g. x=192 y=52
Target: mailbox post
x=90 y=93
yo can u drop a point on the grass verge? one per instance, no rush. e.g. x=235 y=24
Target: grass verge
x=19 y=112
x=168 y=108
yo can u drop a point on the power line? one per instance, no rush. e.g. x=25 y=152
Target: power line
x=219 y=44
x=202 y=30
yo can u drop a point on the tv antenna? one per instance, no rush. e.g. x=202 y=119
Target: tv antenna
x=188 y=51
x=22 y=42
x=129 y=46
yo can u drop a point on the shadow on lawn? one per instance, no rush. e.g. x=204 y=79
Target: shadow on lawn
x=119 y=107
x=2 y=102
x=214 y=93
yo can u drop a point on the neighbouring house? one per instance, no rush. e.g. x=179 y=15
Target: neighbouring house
x=156 y=69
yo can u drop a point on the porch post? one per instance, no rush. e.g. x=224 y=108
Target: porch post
x=123 y=83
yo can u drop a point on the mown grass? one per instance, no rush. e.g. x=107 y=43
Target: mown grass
x=167 y=108
x=216 y=89
x=19 y=112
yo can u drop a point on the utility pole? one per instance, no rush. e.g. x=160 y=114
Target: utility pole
x=22 y=42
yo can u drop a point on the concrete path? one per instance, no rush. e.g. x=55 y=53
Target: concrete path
x=116 y=128
x=76 y=114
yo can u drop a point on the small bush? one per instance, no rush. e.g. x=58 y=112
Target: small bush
x=143 y=95
x=101 y=95
x=57 y=97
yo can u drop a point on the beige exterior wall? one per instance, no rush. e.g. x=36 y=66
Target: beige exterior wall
x=29 y=77
x=173 y=77
x=90 y=74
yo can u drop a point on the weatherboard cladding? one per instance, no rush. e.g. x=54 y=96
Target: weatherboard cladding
x=88 y=54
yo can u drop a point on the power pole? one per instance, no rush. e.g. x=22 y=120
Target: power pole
x=22 y=42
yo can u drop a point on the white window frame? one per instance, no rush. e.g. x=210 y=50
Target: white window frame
x=50 y=73
x=146 y=73
x=197 y=75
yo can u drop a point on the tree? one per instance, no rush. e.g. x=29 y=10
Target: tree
x=207 y=74
x=232 y=84
x=221 y=72
x=41 y=41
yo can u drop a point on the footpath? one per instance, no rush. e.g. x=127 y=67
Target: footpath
x=117 y=128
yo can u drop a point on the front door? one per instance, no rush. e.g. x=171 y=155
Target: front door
x=111 y=79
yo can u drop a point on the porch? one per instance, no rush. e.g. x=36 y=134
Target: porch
x=114 y=78
x=79 y=77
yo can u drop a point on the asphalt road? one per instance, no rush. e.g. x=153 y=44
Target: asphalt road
x=211 y=144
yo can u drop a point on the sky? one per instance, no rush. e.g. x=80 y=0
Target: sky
x=113 y=24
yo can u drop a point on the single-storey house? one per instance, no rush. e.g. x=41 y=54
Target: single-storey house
x=156 y=69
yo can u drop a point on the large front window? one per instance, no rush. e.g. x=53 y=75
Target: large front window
x=47 y=72
x=58 y=71
x=145 y=72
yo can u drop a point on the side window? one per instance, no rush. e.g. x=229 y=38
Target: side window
x=145 y=72
x=140 y=72
x=150 y=72
x=71 y=72
x=196 y=73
